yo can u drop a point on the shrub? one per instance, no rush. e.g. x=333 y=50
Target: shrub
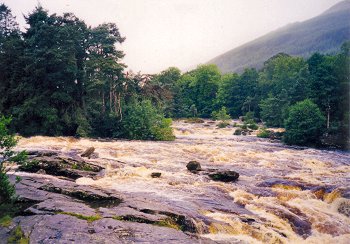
x=253 y=126
x=163 y=131
x=305 y=124
x=238 y=132
x=221 y=115
x=248 y=116
x=223 y=125
x=264 y=133
x=142 y=121
x=244 y=126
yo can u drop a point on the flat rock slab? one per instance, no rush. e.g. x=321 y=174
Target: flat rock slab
x=62 y=228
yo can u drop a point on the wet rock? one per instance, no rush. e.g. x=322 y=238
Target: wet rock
x=61 y=166
x=319 y=192
x=93 y=197
x=53 y=193
x=88 y=152
x=42 y=153
x=224 y=176
x=156 y=174
x=62 y=228
x=280 y=182
x=193 y=166
x=344 y=208
x=194 y=120
x=41 y=171
x=298 y=221
x=99 y=175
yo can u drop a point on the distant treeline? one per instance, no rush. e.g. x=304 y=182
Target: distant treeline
x=319 y=83
x=61 y=77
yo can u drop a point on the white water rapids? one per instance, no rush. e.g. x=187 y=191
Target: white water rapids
x=283 y=195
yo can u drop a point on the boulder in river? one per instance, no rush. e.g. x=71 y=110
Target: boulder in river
x=193 y=166
x=156 y=174
x=88 y=152
x=224 y=176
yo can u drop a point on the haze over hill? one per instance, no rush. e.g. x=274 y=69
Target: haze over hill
x=324 y=33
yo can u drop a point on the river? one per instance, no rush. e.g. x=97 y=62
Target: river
x=283 y=195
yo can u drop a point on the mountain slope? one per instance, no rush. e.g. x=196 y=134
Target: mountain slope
x=324 y=33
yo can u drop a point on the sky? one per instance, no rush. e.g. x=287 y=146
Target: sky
x=181 y=33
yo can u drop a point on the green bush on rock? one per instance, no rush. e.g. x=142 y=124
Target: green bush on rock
x=143 y=121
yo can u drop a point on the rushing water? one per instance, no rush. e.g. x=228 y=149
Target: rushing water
x=284 y=194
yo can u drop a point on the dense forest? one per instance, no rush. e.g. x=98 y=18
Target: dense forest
x=62 y=77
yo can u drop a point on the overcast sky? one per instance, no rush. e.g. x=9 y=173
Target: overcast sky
x=181 y=33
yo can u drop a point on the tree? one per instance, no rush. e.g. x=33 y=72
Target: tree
x=7 y=142
x=305 y=124
x=274 y=109
x=11 y=61
x=166 y=82
x=8 y=24
x=203 y=88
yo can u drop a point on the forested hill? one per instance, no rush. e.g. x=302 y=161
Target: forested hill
x=324 y=33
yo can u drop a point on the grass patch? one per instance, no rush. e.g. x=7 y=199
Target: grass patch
x=17 y=236
x=5 y=221
x=89 y=219
x=223 y=125
x=168 y=222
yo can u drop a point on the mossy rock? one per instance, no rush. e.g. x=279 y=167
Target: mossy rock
x=224 y=176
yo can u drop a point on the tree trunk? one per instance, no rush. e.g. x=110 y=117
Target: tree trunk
x=328 y=116
x=103 y=103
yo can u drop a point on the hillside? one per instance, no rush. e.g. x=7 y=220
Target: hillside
x=324 y=33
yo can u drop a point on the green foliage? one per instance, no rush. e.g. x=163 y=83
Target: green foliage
x=221 y=115
x=162 y=130
x=305 y=124
x=253 y=126
x=223 y=124
x=244 y=126
x=263 y=133
x=61 y=77
x=143 y=121
x=273 y=111
x=7 y=142
x=5 y=221
x=17 y=236
x=238 y=132
x=197 y=92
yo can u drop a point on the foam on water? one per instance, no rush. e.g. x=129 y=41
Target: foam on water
x=278 y=212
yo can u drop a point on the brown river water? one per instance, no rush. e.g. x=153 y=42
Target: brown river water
x=283 y=195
